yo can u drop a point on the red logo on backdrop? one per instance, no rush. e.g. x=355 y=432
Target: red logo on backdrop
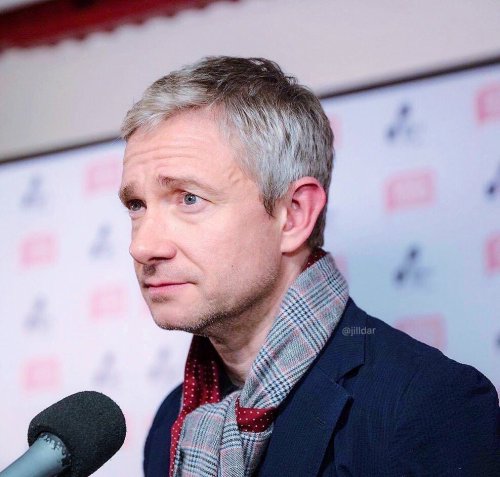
x=38 y=249
x=41 y=374
x=108 y=302
x=103 y=175
x=430 y=329
x=411 y=189
x=492 y=253
x=488 y=103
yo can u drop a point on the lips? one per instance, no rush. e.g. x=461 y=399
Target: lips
x=158 y=287
x=161 y=284
x=160 y=291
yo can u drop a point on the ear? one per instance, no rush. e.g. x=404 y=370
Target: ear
x=301 y=207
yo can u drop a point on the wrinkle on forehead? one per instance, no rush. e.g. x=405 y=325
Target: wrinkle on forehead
x=184 y=141
x=199 y=130
x=223 y=129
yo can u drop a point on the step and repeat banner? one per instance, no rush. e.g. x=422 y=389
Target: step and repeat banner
x=413 y=221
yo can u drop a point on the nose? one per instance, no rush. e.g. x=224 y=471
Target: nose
x=150 y=241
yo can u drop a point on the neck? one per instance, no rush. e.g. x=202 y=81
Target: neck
x=239 y=348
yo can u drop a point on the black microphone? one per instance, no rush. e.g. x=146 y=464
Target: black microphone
x=74 y=436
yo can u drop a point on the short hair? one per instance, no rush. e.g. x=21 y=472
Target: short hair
x=280 y=124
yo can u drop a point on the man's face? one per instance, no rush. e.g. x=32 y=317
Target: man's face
x=204 y=248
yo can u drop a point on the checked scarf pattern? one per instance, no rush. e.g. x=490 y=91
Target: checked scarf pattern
x=227 y=437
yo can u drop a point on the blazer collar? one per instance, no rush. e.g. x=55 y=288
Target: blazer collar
x=345 y=350
x=307 y=418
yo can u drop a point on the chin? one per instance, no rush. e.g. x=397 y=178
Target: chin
x=171 y=322
x=200 y=326
x=175 y=322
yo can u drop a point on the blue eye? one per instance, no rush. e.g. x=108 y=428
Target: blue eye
x=190 y=199
x=134 y=205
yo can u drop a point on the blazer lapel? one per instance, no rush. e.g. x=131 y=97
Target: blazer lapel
x=307 y=419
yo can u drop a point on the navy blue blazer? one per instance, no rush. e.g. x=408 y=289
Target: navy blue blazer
x=379 y=404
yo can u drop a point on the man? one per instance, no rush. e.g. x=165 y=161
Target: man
x=226 y=173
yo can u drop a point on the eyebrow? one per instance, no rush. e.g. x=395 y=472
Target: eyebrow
x=185 y=181
x=127 y=192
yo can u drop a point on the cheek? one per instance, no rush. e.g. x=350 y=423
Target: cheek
x=244 y=242
x=258 y=230
x=244 y=231
x=233 y=241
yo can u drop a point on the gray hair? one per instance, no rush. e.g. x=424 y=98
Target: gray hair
x=280 y=124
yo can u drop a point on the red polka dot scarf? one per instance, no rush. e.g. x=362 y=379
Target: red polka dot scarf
x=227 y=436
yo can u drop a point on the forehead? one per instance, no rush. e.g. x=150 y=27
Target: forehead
x=196 y=129
x=188 y=143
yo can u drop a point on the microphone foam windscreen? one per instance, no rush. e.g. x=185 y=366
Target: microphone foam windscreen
x=90 y=424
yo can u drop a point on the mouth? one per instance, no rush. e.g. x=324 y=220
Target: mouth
x=162 y=288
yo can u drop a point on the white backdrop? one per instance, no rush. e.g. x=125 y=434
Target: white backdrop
x=414 y=222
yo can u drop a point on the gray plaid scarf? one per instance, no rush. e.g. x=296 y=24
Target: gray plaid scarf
x=210 y=442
